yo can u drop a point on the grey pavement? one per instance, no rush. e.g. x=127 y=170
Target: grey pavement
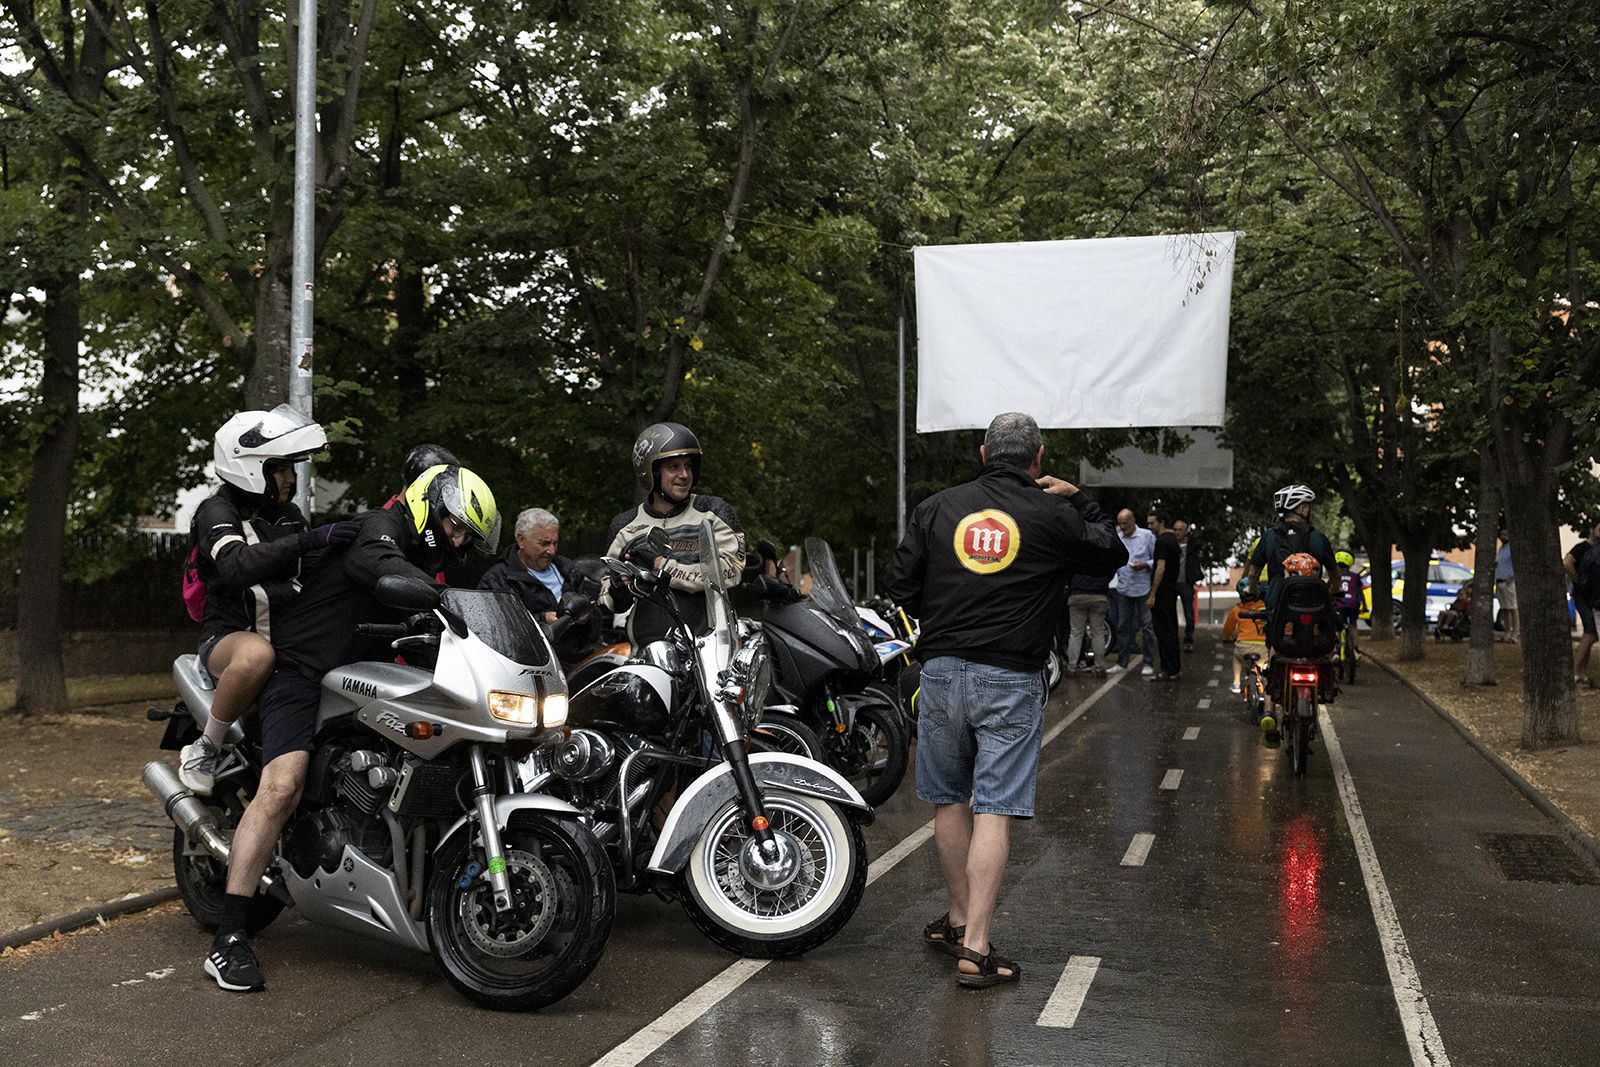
x=1246 y=935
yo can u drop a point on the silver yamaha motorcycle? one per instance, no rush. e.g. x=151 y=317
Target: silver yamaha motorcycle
x=412 y=828
x=763 y=850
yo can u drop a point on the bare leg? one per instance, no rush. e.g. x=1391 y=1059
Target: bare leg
x=986 y=866
x=952 y=834
x=242 y=662
x=264 y=819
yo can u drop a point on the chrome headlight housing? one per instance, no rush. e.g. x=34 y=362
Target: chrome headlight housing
x=749 y=679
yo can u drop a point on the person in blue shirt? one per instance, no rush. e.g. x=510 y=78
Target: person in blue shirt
x=531 y=567
x=1505 y=587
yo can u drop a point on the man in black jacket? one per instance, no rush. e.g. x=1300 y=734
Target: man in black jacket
x=531 y=567
x=982 y=566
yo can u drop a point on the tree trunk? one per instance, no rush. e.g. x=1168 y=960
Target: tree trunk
x=1414 y=604
x=1550 y=710
x=1382 y=617
x=267 y=384
x=1480 y=650
x=42 y=683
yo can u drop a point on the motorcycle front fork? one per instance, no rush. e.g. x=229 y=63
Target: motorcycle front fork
x=494 y=855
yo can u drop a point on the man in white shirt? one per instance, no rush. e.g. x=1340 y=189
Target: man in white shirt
x=1131 y=587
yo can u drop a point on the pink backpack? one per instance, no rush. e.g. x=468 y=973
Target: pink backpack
x=194 y=589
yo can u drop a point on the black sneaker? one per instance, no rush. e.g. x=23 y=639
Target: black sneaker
x=233 y=965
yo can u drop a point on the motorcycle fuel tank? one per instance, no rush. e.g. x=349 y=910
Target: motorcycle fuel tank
x=636 y=697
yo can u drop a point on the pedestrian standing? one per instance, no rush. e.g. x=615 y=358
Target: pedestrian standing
x=1505 y=587
x=1584 y=574
x=1163 y=597
x=1087 y=595
x=1131 y=591
x=1188 y=575
x=982 y=565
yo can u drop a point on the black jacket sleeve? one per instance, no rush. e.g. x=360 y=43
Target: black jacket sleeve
x=380 y=549
x=1098 y=549
x=239 y=564
x=909 y=565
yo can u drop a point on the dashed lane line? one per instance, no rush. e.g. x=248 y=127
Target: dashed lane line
x=1062 y=1008
x=1192 y=733
x=1138 y=850
x=685 y=1012
x=1172 y=778
x=1422 y=1033
x=1205 y=702
x=1211 y=683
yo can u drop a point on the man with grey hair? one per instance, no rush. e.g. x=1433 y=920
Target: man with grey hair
x=982 y=566
x=530 y=567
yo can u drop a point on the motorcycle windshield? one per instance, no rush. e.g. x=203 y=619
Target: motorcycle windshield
x=718 y=614
x=827 y=587
x=500 y=621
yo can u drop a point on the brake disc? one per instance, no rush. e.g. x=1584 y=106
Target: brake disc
x=534 y=896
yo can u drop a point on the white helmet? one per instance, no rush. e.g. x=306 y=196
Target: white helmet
x=250 y=440
x=1292 y=496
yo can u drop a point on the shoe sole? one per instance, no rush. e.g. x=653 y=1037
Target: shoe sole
x=198 y=788
x=216 y=976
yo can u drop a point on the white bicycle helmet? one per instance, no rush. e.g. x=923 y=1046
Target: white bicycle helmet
x=250 y=440
x=1292 y=496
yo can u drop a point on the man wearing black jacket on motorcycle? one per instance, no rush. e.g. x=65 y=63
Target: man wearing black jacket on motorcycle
x=443 y=510
x=982 y=565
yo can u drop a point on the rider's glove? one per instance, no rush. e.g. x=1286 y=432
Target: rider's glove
x=332 y=533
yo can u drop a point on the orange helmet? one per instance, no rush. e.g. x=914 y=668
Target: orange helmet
x=1303 y=563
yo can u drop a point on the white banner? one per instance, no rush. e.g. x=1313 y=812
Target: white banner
x=1204 y=464
x=1116 y=331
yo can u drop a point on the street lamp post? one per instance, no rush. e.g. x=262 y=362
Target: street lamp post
x=305 y=206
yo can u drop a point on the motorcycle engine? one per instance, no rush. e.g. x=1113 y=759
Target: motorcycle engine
x=582 y=757
x=360 y=783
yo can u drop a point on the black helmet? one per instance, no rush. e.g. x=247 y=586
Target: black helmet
x=663 y=441
x=420 y=459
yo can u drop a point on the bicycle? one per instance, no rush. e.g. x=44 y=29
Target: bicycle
x=1345 y=654
x=1254 y=686
x=1301 y=657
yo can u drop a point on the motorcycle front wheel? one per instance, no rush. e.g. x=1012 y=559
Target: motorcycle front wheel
x=874 y=754
x=781 y=732
x=760 y=908
x=563 y=901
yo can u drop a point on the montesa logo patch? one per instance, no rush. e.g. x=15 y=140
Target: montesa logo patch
x=360 y=688
x=986 y=542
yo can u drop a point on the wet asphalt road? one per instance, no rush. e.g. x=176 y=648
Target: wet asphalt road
x=1247 y=934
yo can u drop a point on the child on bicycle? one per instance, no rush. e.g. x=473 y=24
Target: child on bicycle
x=1246 y=635
x=1347 y=599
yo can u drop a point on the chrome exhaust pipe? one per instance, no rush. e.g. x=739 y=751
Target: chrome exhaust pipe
x=193 y=816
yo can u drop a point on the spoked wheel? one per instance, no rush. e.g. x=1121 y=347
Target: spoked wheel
x=763 y=906
x=545 y=945
x=1348 y=658
x=874 y=754
x=781 y=732
x=203 y=880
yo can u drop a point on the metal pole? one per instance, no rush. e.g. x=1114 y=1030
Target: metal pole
x=900 y=427
x=872 y=568
x=305 y=206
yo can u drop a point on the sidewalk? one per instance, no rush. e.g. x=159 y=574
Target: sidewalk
x=77 y=827
x=1568 y=776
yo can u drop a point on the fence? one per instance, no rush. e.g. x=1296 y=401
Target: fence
x=142 y=594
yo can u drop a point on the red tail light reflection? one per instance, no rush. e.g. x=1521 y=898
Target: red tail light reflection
x=1301 y=887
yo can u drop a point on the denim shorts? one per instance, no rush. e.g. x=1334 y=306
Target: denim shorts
x=978 y=734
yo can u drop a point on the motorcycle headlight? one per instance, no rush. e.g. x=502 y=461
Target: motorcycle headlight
x=555 y=710
x=519 y=708
x=751 y=677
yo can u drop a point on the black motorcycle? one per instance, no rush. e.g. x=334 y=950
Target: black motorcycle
x=763 y=848
x=826 y=669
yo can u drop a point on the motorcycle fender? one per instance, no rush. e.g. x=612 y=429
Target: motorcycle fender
x=506 y=809
x=773 y=770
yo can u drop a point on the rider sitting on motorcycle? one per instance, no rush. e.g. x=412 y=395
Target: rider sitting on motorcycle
x=443 y=510
x=666 y=464
x=249 y=538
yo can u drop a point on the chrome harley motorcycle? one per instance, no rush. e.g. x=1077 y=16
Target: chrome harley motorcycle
x=764 y=850
x=411 y=828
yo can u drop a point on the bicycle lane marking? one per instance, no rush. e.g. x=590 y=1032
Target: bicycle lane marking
x=687 y=1011
x=1422 y=1033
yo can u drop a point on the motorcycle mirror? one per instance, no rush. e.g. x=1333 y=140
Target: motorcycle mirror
x=658 y=540
x=405 y=593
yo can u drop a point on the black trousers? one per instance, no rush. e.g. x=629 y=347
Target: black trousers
x=1164 y=620
x=1186 y=598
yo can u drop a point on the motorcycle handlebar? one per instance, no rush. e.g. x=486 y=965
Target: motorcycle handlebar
x=383 y=629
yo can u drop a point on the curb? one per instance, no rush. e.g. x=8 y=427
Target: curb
x=1574 y=833
x=88 y=916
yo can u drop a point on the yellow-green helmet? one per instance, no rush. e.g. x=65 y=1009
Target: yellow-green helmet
x=448 y=489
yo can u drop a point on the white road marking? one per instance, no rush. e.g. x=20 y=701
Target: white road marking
x=1173 y=777
x=35 y=1016
x=1205 y=702
x=683 y=1014
x=1211 y=683
x=1216 y=666
x=1422 y=1033
x=1138 y=850
x=1064 y=1004
x=1192 y=733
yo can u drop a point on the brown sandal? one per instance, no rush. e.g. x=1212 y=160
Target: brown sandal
x=989 y=969
x=941 y=935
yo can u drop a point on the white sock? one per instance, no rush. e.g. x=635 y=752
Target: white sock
x=215 y=731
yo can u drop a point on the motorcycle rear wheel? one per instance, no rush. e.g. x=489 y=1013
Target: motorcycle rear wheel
x=828 y=882
x=203 y=881
x=542 y=949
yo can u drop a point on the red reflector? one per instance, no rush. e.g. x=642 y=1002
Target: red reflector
x=1302 y=677
x=1305 y=620
x=759 y=822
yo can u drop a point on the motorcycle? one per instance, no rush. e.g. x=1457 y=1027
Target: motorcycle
x=763 y=850
x=410 y=828
x=824 y=670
